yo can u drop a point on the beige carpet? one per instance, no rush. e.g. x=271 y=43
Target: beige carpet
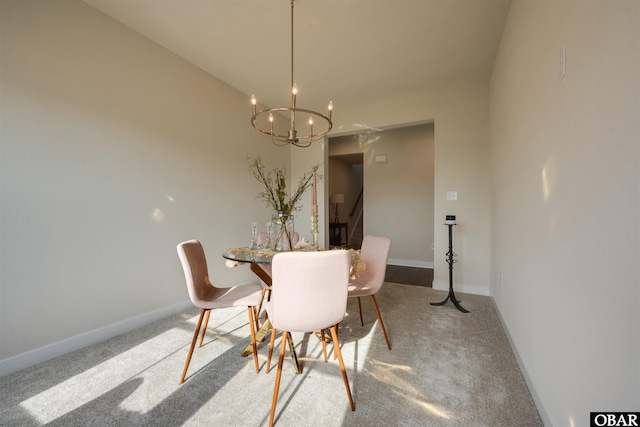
x=446 y=369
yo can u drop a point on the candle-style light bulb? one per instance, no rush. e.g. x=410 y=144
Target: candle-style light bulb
x=254 y=101
x=271 y=123
x=294 y=92
x=330 y=109
x=310 y=127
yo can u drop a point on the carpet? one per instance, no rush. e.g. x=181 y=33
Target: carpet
x=446 y=368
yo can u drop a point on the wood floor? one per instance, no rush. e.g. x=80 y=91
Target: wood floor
x=409 y=275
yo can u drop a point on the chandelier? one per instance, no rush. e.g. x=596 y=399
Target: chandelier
x=263 y=121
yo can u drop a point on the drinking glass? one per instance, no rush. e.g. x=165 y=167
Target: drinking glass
x=254 y=235
x=269 y=241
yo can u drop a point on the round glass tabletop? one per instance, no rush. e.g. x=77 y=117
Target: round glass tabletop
x=253 y=256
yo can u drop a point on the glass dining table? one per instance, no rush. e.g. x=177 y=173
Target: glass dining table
x=253 y=257
x=257 y=257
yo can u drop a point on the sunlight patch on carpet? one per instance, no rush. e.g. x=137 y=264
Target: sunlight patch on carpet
x=101 y=378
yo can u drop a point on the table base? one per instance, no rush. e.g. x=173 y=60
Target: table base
x=260 y=336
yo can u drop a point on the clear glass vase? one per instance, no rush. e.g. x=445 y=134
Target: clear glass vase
x=282 y=231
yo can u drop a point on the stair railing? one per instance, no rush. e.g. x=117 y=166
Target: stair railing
x=355 y=205
x=354 y=227
x=353 y=224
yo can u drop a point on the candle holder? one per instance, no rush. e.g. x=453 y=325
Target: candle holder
x=450 y=222
x=314 y=227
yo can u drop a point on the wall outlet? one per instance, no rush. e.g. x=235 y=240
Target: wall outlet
x=452 y=195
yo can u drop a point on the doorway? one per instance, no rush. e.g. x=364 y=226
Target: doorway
x=394 y=169
x=346 y=200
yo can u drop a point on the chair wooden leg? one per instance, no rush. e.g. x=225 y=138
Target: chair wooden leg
x=276 y=388
x=324 y=345
x=336 y=347
x=384 y=331
x=271 y=344
x=256 y=315
x=204 y=330
x=264 y=291
x=335 y=356
x=193 y=344
x=360 y=308
x=253 y=336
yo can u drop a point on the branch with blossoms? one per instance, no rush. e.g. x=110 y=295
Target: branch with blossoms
x=275 y=183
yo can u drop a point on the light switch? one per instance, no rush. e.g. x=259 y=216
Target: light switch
x=452 y=195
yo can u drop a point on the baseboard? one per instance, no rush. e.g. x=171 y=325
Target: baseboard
x=410 y=263
x=463 y=288
x=527 y=379
x=49 y=351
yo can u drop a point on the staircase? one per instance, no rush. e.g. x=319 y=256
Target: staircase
x=354 y=239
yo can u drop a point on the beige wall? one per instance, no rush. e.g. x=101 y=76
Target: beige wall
x=461 y=138
x=565 y=157
x=398 y=193
x=113 y=151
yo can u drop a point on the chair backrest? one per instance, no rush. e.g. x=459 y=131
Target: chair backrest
x=375 y=253
x=194 y=264
x=309 y=290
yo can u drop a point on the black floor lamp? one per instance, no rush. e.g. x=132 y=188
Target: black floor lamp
x=337 y=199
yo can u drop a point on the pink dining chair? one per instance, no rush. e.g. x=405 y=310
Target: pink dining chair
x=262 y=239
x=309 y=294
x=207 y=297
x=375 y=253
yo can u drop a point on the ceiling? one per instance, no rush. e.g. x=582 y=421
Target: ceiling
x=349 y=51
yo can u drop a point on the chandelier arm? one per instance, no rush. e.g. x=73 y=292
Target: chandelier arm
x=291 y=137
x=303 y=110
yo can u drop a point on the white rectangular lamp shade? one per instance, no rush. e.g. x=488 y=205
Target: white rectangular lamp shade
x=337 y=198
